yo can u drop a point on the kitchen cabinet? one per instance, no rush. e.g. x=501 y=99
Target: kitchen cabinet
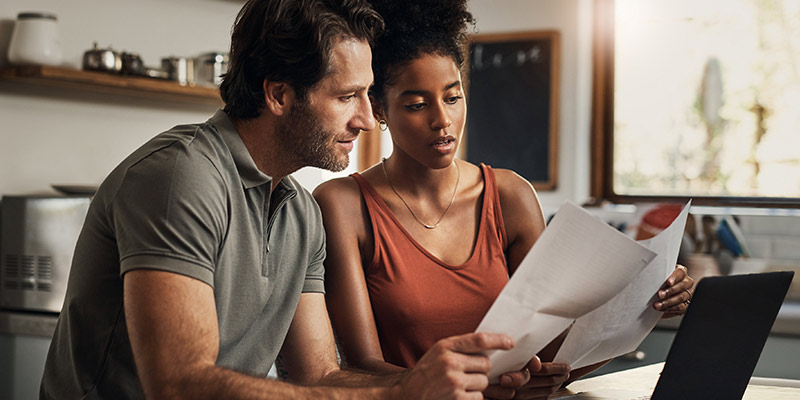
x=24 y=341
x=22 y=360
x=99 y=82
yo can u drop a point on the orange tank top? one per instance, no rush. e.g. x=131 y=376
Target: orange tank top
x=418 y=299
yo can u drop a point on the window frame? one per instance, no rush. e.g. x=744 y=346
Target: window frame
x=602 y=128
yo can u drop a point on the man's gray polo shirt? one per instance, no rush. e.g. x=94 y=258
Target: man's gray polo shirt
x=190 y=201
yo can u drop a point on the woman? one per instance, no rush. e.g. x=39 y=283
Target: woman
x=421 y=244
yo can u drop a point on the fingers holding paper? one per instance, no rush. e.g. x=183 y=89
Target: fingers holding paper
x=453 y=367
x=676 y=295
x=509 y=383
x=545 y=378
x=512 y=381
x=544 y=381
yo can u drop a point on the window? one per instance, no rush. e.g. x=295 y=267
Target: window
x=697 y=99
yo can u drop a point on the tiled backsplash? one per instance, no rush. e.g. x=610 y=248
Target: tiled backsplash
x=772 y=237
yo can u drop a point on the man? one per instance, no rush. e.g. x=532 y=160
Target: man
x=201 y=258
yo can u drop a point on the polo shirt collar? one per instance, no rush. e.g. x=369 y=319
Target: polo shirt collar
x=248 y=171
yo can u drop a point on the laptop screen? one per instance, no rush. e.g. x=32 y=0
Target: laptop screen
x=721 y=336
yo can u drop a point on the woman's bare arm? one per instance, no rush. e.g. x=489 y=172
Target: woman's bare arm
x=348 y=238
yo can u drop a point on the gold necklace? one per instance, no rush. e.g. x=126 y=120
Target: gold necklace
x=452 y=199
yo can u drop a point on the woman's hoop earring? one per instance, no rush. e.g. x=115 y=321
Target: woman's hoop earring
x=382 y=125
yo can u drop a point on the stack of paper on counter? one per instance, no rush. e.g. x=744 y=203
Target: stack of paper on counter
x=578 y=264
x=620 y=325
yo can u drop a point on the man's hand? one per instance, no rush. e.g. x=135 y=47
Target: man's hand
x=453 y=368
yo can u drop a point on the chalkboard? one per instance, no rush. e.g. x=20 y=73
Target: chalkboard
x=513 y=104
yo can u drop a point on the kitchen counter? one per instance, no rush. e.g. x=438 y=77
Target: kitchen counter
x=787 y=322
x=640 y=382
x=27 y=323
x=778 y=357
x=44 y=324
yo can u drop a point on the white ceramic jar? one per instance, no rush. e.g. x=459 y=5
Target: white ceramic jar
x=35 y=40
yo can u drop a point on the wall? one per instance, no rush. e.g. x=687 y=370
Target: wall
x=63 y=137
x=58 y=136
x=573 y=19
x=54 y=136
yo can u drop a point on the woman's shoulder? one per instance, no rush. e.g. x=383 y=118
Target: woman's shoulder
x=511 y=185
x=337 y=190
x=518 y=198
x=349 y=185
x=342 y=207
x=522 y=212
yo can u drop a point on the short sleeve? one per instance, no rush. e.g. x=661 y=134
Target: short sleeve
x=315 y=271
x=170 y=212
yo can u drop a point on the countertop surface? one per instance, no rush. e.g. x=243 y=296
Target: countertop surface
x=787 y=322
x=27 y=323
x=639 y=383
x=43 y=324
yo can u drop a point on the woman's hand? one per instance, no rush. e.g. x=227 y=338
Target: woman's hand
x=544 y=382
x=676 y=295
x=545 y=379
x=510 y=382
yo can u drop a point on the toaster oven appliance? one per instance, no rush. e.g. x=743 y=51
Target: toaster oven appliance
x=37 y=238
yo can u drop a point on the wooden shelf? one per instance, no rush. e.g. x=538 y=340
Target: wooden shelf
x=110 y=83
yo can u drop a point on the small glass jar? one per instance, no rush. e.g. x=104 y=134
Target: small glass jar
x=35 y=40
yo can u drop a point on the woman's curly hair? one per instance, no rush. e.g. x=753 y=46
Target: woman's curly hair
x=414 y=28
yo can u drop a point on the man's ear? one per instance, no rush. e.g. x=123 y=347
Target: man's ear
x=278 y=96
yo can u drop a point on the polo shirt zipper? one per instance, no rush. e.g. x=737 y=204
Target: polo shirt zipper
x=270 y=222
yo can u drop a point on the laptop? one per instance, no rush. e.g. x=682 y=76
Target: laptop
x=719 y=340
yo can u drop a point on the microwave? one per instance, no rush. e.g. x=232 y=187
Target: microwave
x=38 y=234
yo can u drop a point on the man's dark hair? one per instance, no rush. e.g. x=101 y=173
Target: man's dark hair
x=416 y=28
x=288 y=41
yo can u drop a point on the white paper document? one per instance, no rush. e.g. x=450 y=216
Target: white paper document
x=577 y=264
x=620 y=325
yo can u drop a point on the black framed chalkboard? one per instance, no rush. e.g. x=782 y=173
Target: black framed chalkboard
x=513 y=104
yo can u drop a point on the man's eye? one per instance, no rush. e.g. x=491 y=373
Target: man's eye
x=416 y=106
x=348 y=97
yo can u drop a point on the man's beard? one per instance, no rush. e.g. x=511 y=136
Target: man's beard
x=306 y=142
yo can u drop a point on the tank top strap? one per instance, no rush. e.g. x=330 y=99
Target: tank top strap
x=379 y=221
x=371 y=197
x=492 y=194
x=366 y=188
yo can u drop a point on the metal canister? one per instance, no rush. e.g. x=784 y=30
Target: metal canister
x=179 y=69
x=209 y=68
